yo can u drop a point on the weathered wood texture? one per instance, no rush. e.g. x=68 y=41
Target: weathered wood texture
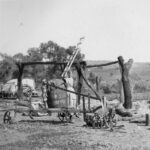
x=125 y=68
x=147 y=120
x=101 y=65
x=79 y=82
x=20 y=69
x=98 y=81
x=121 y=92
x=84 y=111
x=88 y=84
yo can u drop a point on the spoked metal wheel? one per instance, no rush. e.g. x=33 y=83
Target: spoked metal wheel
x=68 y=116
x=31 y=114
x=114 y=120
x=97 y=123
x=61 y=116
x=7 y=117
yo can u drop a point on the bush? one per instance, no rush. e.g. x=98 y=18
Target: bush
x=106 y=88
x=109 y=87
x=140 y=87
x=115 y=88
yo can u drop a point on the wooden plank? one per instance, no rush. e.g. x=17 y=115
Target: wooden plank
x=89 y=103
x=84 y=111
x=147 y=120
x=101 y=65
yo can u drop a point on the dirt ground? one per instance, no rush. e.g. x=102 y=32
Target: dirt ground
x=48 y=133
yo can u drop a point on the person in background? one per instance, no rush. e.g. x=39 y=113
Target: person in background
x=71 y=97
x=44 y=92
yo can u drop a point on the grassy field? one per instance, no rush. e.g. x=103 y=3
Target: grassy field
x=139 y=77
x=139 y=71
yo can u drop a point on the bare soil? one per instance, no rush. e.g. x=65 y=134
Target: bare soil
x=48 y=132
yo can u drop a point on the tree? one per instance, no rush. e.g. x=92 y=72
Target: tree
x=49 y=51
x=7 y=66
x=57 y=53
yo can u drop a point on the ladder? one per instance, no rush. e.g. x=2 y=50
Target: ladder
x=71 y=59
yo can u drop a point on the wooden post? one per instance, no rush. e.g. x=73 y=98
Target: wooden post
x=121 y=91
x=84 y=110
x=80 y=81
x=125 y=68
x=147 y=120
x=20 y=68
x=98 y=80
x=86 y=81
x=89 y=103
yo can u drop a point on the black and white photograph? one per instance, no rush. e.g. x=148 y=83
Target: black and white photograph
x=74 y=75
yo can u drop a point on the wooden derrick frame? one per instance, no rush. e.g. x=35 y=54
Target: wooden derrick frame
x=80 y=67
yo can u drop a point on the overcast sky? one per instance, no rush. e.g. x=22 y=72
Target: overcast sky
x=111 y=27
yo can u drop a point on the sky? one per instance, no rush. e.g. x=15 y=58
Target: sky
x=111 y=27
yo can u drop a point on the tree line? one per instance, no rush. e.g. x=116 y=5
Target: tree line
x=49 y=51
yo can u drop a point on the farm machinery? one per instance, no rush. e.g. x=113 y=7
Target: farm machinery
x=101 y=119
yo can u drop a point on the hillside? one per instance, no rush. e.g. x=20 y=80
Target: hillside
x=139 y=71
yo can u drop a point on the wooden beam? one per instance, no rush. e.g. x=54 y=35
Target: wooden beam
x=64 y=63
x=84 y=110
x=101 y=65
x=49 y=63
x=20 y=69
x=92 y=97
x=86 y=81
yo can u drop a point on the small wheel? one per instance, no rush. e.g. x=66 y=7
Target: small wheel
x=100 y=123
x=96 y=121
x=93 y=124
x=106 y=122
x=96 y=124
x=68 y=117
x=114 y=121
x=31 y=114
x=61 y=116
x=7 y=117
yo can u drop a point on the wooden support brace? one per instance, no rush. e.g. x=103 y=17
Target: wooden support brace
x=84 y=110
x=89 y=103
x=147 y=119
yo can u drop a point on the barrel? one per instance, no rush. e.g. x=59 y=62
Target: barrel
x=56 y=98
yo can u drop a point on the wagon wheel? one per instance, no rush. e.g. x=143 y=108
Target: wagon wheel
x=111 y=120
x=61 y=116
x=94 y=124
x=96 y=121
x=114 y=121
x=68 y=116
x=27 y=92
x=31 y=113
x=7 y=117
x=100 y=123
x=106 y=121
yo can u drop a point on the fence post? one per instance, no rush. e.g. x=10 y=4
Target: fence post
x=89 y=103
x=125 y=68
x=147 y=120
x=20 y=69
x=84 y=111
x=79 y=83
x=98 y=80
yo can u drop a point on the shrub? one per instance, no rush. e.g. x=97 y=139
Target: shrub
x=140 y=87
x=106 y=88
